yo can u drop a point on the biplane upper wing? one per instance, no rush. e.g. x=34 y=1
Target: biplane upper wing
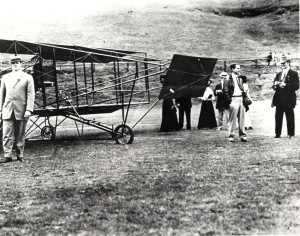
x=187 y=76
x=61 y=52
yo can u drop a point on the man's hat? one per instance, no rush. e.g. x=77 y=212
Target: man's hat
x=15 y=58
x=224 y=74
x=284 y=59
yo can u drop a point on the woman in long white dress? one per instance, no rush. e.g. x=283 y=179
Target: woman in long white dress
x=248 y=123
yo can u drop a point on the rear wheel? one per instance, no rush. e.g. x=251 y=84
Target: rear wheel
x=123 y=134
x=48 y=133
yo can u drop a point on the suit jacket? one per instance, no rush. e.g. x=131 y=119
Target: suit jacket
x=229 y=90
x=184 y=102
x=287 y=95
x=16 y=95
x=220 y=96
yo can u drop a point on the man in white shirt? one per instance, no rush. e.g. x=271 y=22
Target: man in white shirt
x=233 y=88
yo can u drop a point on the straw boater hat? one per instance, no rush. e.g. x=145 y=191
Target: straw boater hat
x=284 y=59
x=15 y=58
x=224 y=74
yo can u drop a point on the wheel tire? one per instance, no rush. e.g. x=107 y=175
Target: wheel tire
x=48 y=133
x=123 y=134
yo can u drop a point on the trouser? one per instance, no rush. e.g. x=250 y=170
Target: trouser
x=236 y=111
x=187 y=112
x=221 y=114
x=14 y=131
x=290 y=120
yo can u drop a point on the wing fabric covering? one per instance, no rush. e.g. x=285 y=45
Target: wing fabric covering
x=61 y=52
x=187 y=76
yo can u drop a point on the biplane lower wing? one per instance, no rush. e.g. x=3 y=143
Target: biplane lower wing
x=84 y=110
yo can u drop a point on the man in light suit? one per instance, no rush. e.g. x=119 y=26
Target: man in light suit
x=16 y=105
x=285 y=84
x=233 y=89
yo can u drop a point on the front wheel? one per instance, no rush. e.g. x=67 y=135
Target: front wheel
x=123 y=134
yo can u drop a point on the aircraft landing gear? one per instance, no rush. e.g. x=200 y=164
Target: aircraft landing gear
x=123 y=134
x=47 y=132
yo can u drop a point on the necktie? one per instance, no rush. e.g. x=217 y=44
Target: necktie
x=283 y=77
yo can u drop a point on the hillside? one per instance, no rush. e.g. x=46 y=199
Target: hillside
x=225 y=29
x=221 y=28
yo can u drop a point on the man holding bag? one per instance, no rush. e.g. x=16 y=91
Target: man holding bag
x=233 y=92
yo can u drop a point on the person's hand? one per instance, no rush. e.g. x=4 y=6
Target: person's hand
x=27 y=114
x=281 y=85
x=276 y=83
x=219 y=91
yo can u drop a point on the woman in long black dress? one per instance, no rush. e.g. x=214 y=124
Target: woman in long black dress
x=169 y=114
x=207 y=118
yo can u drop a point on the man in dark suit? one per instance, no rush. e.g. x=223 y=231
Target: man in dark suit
x=220 y=100
x=184 y=105
x=285 y=84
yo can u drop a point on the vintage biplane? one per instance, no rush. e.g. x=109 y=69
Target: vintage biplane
x=74 y=82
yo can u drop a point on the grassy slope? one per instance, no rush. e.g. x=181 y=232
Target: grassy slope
x=164 y=29
x=196 y=31
x=192 y=28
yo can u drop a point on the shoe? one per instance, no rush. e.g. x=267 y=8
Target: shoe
x=244 y=139
x=231 y=139
x=291 y=136
x=8 y=159
x=188 y=128
x=277 y=136
x=220 y=128
x=250 y=128
x=20 y=159
x=246 y=128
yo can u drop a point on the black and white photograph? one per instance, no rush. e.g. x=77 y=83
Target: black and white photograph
x=149 y=117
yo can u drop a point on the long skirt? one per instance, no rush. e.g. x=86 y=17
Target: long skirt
x=207 y=118
x=169 y=117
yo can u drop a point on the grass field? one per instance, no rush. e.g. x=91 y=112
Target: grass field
x=182 y=183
